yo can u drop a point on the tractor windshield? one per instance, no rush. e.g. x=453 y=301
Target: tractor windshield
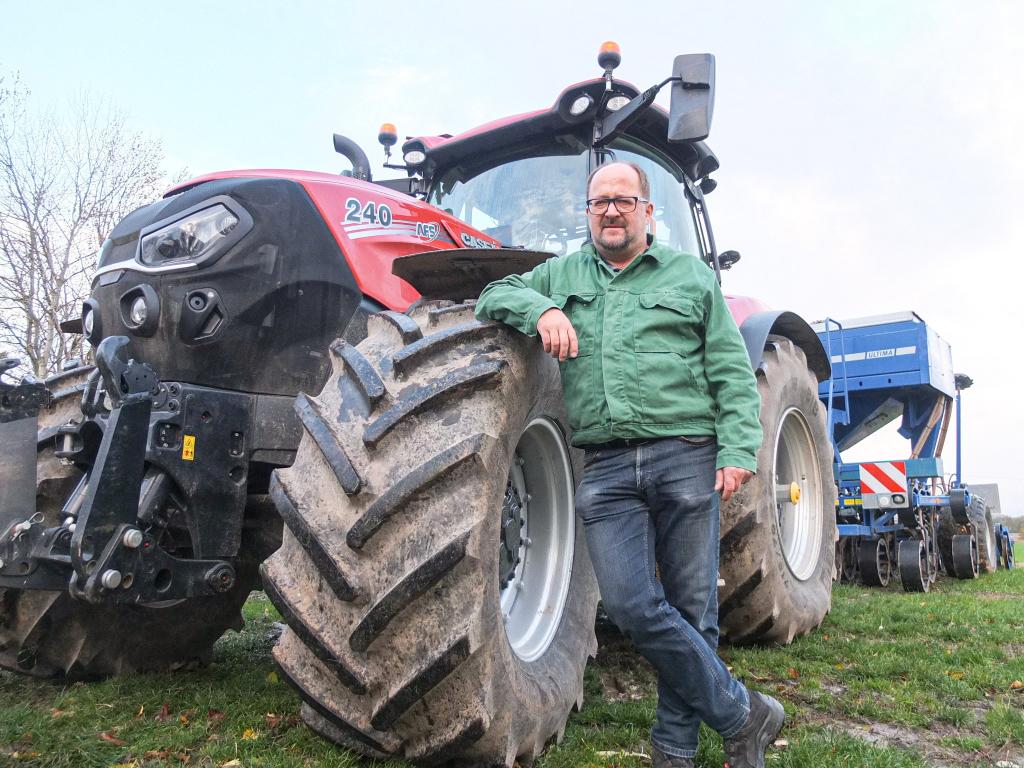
x=533 y=202
x=539 y=202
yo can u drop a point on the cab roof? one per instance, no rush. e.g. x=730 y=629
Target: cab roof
x=494 y=142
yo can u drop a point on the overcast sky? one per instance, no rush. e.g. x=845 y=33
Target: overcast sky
x=871 y=151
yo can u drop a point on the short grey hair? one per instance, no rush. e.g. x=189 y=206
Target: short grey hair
x=645 y=184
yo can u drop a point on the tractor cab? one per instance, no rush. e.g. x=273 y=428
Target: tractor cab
x=521 y=180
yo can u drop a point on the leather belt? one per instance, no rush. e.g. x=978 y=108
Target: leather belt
x=620 y=442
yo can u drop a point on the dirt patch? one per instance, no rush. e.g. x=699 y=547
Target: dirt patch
x=996 y=595
x=924 y=743
x=1013 y=650
x=624 y=674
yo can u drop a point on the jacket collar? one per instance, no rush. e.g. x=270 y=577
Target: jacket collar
x=653 y=249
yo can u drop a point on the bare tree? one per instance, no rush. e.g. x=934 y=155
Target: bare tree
x=65 y=181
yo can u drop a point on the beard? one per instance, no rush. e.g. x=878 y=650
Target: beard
x=619 y=241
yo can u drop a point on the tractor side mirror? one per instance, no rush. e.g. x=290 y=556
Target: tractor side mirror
x=727 y=259
x=693 y=97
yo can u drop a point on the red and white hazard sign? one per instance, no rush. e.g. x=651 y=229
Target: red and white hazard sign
x=883 y=477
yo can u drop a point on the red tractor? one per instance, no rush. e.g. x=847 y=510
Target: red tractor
x=439 y=599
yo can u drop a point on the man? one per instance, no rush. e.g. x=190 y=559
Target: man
x=660 y=395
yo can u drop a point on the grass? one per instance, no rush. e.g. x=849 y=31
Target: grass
x=890 y=680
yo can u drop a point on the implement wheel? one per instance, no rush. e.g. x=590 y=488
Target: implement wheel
x=51 y=634
x=981 y=517
x=434 y=577
x=965 y=556
x=912 y=561
x=1006 y=555
x=873 y=559
x=846 y=559
x=779 y=530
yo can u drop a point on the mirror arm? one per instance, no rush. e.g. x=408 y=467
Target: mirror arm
x=605 y=130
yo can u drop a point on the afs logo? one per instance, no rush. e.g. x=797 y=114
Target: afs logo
x=427 y=231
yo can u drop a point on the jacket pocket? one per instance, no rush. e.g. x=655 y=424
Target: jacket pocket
x=582 y=309
x=669 y=390
x=667 y=322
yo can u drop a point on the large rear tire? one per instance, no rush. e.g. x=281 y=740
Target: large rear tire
x=51 y=634
x=777 y=553
x=433 y=575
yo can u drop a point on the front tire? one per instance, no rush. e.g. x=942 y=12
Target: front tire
x=777 y=551
x=434 y=577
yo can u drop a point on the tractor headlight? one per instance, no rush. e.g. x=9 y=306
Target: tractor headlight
x=139 y=312
x=615 y=103
x=580 y=105
x=414 y=157
x=190 y=238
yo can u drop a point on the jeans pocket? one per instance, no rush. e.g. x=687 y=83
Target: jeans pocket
x=698 y=440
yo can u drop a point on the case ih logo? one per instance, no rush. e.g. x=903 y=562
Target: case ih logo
x=427 y=231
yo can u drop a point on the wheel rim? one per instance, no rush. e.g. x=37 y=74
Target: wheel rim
x=800 y=522
x=537 y=539
x=882 y=561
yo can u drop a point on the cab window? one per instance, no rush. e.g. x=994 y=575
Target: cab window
x=533 y=202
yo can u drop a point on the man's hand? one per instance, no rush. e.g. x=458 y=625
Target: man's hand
x=558 y=335
x=729 y=479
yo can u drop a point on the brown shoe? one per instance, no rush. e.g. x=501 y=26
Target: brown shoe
x=660 y=760
x=746 y=748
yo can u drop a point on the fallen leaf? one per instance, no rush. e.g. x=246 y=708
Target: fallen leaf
x=840 y=666
x=60 y=712
x=112 y=739
x=1016 y=685
x=157 y=754
x=793 y=673
x=236 y=763
x=780 y=743
x=272 y=677
x=141 y=713
x=280 y=721
x=25 y=755
x=164 y=714
x=249 y=735
x=214 y=715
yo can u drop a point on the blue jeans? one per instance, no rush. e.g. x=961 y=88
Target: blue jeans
x=656 y=504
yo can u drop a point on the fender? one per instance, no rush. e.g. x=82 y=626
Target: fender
x=758 y=326
x=459 y=274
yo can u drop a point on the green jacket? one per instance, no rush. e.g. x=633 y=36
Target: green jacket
x=659 y=352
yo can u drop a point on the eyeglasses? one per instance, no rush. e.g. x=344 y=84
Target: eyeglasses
x=599 y=205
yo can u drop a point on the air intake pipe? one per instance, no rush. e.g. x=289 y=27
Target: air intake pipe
x=360 y=163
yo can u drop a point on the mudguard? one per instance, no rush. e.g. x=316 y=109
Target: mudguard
x=758 y=326
x=461 y=273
